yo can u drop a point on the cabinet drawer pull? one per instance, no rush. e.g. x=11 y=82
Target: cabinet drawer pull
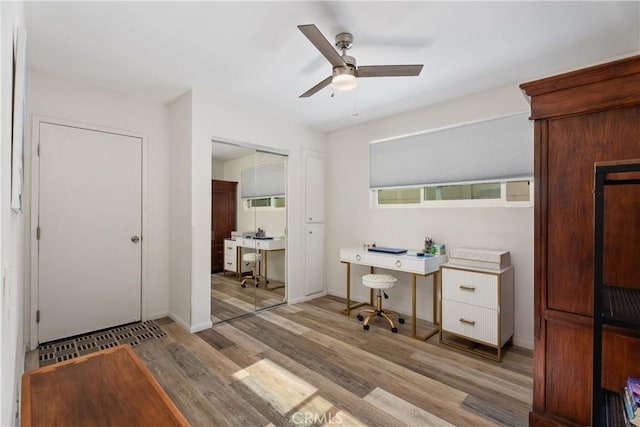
x=398 y=263
x=468 y=288
x=229 y=247
x=358 y=257
x=468 y=322
x=228 y=263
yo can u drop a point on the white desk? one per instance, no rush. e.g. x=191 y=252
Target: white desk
x=260 y=245
x=417 y=266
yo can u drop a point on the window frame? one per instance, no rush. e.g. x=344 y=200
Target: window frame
x=460 y=203
x=246 y=203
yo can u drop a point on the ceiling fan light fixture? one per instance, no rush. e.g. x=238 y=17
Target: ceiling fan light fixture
x=343 y=79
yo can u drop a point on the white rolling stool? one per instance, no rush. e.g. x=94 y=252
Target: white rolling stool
x=379 y=282
x=252 y=259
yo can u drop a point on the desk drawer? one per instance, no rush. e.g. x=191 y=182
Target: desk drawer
x=358 y=258
x=476 y=323
x=469 y=287
x=401 y=264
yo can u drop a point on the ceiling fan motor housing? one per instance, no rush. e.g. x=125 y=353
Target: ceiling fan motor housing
x=344 y=41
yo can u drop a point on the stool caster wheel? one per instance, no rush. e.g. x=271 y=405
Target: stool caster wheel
x=401 y=320
x=243 y=284
x=359 y=317
x=394 y=330
x=365 y=327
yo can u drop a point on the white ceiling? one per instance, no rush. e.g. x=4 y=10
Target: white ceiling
x=251 y=53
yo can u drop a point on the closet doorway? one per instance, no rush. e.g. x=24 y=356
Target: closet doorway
x=248 y=235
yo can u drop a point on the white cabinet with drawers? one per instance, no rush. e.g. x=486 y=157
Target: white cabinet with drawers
x=231 y=257
x=476 y=306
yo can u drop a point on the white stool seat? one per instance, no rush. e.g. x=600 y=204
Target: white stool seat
x=252 y=257
x=379 y=281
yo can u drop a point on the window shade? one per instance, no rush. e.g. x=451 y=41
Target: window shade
x=262 y=181
x=493 y=149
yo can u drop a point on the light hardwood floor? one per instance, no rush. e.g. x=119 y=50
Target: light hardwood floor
x=306 y=364
x=229 y=299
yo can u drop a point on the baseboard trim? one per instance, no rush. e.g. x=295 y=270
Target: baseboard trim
x=179 y=321
x=307 y=298
x=201 y=327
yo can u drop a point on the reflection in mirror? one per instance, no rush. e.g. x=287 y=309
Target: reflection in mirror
x=248 y=223
x=268 y=201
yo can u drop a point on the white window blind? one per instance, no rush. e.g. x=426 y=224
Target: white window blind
x=263 y=181
x=489 y=150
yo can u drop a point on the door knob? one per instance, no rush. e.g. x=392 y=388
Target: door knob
x=135 y=239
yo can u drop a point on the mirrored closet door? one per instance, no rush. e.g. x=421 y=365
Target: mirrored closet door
x=248 y=226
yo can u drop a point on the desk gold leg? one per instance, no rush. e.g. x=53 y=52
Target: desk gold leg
x=266 y=280
x=413 y=312
x=349 y=307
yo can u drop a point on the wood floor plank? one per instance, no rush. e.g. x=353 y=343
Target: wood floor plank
x=240 y=355
x=493 y=379
x=215 y=360
x=310 y=354
x=497 y=410
x=404 y=411
x=433 y=396
x=340 y=397
x=215 y=339
x=283 y=322
x=195 y=407
x=310 y=360
x=221 y=396
x=248 y=342
x=276 y=385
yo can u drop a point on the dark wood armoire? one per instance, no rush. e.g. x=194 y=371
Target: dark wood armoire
x=223 y=219
x=580 y=117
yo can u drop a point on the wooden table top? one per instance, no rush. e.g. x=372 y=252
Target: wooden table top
x=111 y=387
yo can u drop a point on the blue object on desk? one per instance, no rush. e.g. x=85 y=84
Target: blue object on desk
x=387 y=250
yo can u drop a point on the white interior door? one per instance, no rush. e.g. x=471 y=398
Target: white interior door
x=90 y=213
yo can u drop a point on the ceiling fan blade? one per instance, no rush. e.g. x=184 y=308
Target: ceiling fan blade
x=316 y=88
x=388 y=70
x=322 y=44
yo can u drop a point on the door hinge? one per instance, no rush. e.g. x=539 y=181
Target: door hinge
x=38 y=150
x=37 y=316
x=38 y=233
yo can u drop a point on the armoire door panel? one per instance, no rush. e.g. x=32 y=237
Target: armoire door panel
x=223 y=219
x=619 y=359
x=574 y=144
x=622 y=235
x=568 y=378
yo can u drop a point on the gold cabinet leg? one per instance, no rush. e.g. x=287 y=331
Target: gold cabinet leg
x=413 y=305
x=435 y=298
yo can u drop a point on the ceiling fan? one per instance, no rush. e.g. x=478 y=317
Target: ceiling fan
x=344 y=66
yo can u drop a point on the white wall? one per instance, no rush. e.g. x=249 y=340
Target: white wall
x=53 y=97
x=180 y=230
x=352 y=221
x=12 y=231
x=217 y=170
x=223 y=121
